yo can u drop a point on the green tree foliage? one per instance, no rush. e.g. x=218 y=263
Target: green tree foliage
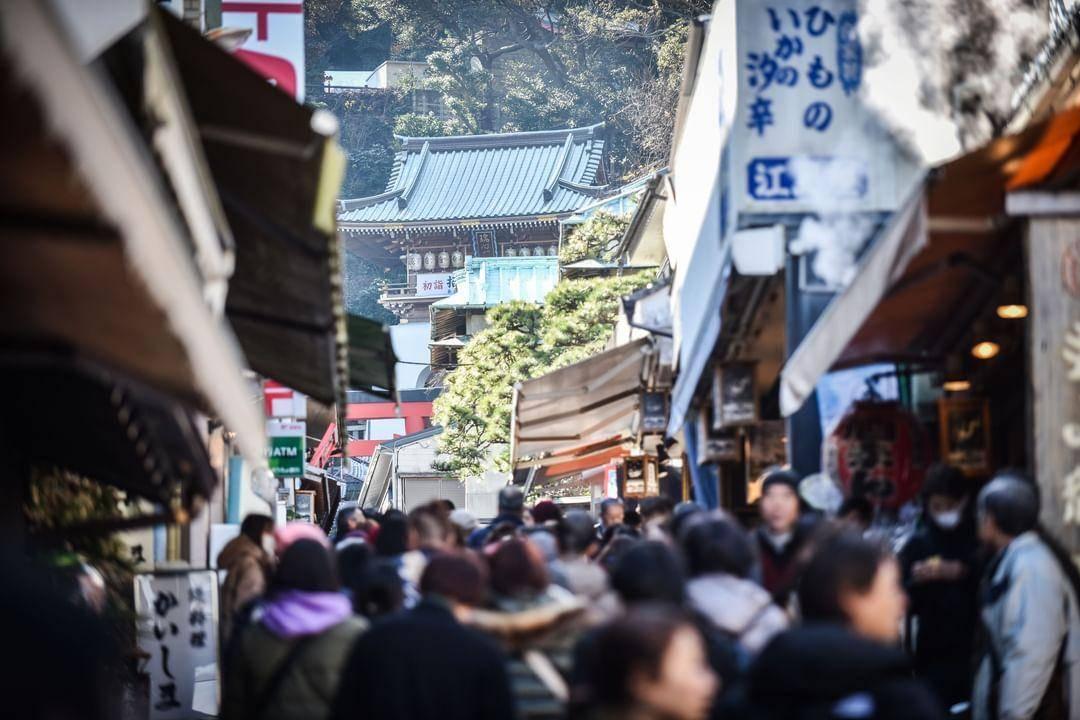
x=418 y=125
x=510 y=65
x=363 y=283
x=521 y=341
x=595 y=238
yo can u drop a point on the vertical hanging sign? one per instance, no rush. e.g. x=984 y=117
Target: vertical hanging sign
x=275 y=48
x=177 y=628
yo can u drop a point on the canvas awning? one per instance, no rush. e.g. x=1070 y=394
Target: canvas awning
x=580 y=409
x=277 y=167
x=937 y=252
x=97 y=258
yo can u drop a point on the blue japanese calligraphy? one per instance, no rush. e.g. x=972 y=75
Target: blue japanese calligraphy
x=765 y=70
x=770 y=179
x=818 y=116
x=848 y=53
x=818 y=21
x=761 y=115
x=819 y=76
x=788 y=46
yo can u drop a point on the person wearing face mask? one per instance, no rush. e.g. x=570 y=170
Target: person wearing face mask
x=246 y=560
x=941 y=573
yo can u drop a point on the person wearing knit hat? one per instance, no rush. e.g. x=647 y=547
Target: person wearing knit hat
x=778 y=538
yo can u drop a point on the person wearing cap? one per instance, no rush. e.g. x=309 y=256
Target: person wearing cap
x=778 y=538
x=511 y=511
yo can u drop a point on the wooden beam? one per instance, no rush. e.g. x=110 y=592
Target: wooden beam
x=1054 y=388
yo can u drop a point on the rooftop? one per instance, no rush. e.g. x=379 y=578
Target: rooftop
x=443 y=181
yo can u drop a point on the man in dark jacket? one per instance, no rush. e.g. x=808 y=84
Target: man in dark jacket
x=780 y=537
x=511 y=511
x=423 y=664
x=941 y=576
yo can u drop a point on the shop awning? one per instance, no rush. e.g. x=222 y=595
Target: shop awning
x=935 y=253
x=97 y=260
x=277 y=168
x=581 y=409
x=76 y=415
x=371 y=357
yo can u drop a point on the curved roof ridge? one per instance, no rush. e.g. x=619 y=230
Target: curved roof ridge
x=508 y=138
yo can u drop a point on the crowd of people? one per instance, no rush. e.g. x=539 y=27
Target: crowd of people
x=657 y=610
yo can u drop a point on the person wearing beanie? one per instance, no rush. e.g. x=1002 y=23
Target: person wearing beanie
x=545 y=511
x=286 y=664
x=778 y=538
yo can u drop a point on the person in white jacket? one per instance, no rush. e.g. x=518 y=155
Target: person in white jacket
x=1030 y=666
x=720 y=559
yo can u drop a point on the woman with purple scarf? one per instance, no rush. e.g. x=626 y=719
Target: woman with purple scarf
x=287 y=662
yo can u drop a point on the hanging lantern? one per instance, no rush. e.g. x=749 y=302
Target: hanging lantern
x=429 y=261
x=552 y=251
x=510 y=252
x=413 y=261
x=457 y=258
x=879 y=451
x=444 y=259
x=538 y=251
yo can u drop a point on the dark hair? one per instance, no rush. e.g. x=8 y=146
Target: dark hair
x=429 y=524
x=944 y=479
x=780 y=476
x=718 y=545
x=576 y=533
x=379 y=590
x=545 y=510
x=517 y=569
x=393 y=534
x=632 y=519
x=608 y=503
x=624 y=649
x=353 y=561
x=1012 y=503
x=455 y=576
x=616 y=546
x=305 y=565
x=843 y=562
x=649 y=572
x=858 y=505
x=511 y=500
x=255 y=526
x=656 y=505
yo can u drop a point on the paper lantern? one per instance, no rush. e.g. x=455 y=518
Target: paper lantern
x=879 y=451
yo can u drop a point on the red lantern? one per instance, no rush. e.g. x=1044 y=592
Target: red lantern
x=879 y=451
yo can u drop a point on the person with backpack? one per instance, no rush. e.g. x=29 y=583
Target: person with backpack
x=721 y=559
x=285 y=665
x=1030 y=659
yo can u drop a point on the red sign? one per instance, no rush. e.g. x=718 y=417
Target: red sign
x=275 y=48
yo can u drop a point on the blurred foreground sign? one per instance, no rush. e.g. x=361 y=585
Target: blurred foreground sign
x=275 y=49
x=177 y=628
